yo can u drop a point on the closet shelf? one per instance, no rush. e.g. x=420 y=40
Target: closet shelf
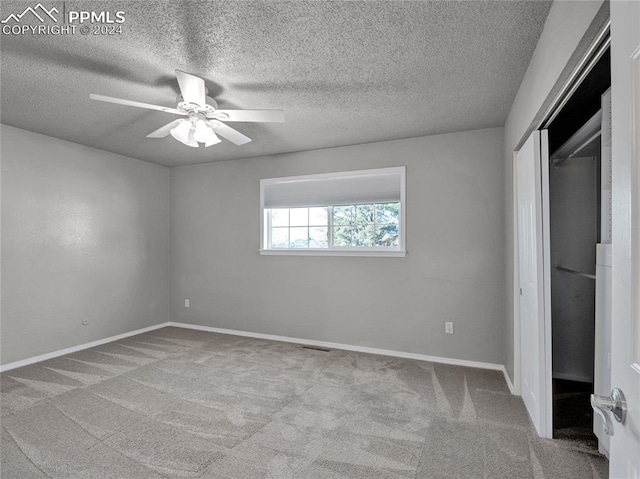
x=573 y=271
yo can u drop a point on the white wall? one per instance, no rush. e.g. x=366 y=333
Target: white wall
x=84 y=236
x=570 y=28
x=454 y=270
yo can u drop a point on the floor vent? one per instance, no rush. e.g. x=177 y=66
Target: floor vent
x=317 y=348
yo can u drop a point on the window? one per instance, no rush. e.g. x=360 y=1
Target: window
x=351 y=213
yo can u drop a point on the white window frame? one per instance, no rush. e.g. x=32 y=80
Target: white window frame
x=399 y=251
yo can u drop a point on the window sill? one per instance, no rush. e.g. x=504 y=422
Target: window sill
x=333 y=252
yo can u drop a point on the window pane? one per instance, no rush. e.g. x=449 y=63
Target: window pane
x=364 y=214
x=342 y=235
x=387 y=213
x=386 y=235
x=318 y=237
x=299 y=216
x=363 y=236
x=318 y=216
x=280 y=217
x=279 y=237
x=354 y=226
x=299 y=238
x=342 y=215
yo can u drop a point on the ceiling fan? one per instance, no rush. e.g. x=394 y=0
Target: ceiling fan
x=203 y=122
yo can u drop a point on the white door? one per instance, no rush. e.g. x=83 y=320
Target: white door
x=625 y=351
x=533 y=349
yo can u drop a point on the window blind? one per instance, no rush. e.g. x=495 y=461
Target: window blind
x=382 y=185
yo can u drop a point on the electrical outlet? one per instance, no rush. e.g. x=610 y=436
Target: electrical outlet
x=186 y=303
x=448 y=327
x=85 y=322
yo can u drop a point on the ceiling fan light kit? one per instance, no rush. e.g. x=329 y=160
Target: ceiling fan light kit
x=202 y=117
x=182 y=131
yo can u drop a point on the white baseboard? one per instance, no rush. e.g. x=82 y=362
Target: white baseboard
x=512 y=389
x=73 y=349
x=272 y=337
x=346 y=347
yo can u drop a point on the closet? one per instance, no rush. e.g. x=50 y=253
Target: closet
x=580 y=237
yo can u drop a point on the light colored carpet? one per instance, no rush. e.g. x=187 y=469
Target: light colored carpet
x=184 y=403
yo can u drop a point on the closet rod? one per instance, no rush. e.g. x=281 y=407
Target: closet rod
x=579 y=140
x=573 y=271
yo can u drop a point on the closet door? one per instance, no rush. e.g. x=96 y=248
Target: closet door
x=625 y=330
x=534 y=333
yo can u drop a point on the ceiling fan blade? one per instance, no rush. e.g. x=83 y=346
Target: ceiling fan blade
x=164 y=130
x=275 y=116
x=192 y=88
x=138 y=104
x=234 y=136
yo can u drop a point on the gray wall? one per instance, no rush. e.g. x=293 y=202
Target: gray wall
x=569 y=29
x=454 y=270
x=84 y=235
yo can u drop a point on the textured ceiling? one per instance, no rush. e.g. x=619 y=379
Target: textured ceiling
x=344 y=72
